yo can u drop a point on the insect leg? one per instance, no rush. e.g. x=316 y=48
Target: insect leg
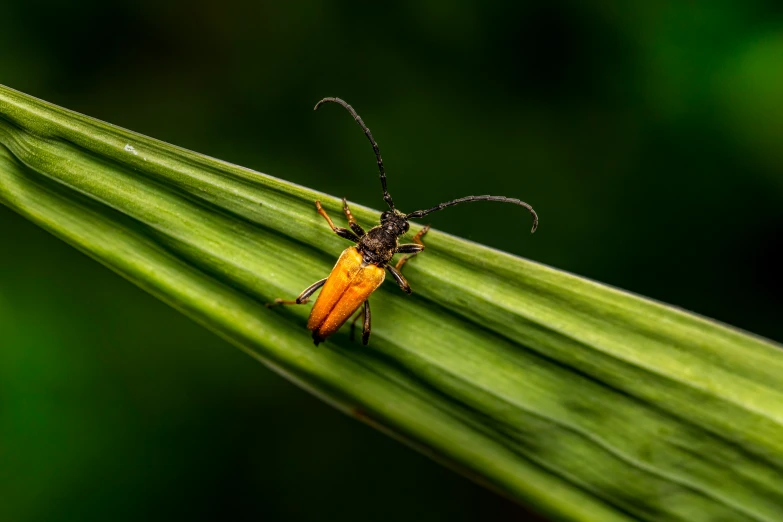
x=399 y=278
x=342 y=232
x=366 y=329
x=303 y=298
x=356 y=227
x=412 y=249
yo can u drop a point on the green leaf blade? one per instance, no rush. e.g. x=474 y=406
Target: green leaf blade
x=588 y=402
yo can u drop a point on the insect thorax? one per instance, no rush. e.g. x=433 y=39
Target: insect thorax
x=378 y=246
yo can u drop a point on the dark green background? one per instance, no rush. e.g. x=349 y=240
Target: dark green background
x=648 y=135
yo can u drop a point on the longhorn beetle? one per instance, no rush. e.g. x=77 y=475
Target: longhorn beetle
x=360 y=270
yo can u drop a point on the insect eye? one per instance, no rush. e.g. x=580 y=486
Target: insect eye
x=385 y=216
x=406 y=226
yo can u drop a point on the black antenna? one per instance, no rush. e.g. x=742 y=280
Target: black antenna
x=422 y=213
x=386 y=197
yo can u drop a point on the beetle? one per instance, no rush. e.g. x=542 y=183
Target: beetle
x=361 y=269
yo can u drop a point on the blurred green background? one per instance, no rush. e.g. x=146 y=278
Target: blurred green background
x=648 y=135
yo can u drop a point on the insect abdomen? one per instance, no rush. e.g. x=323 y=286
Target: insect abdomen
x=349 y=284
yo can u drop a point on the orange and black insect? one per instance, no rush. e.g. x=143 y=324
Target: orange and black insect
x=361 y=269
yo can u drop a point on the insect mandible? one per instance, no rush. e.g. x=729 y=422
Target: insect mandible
x=361 y=269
